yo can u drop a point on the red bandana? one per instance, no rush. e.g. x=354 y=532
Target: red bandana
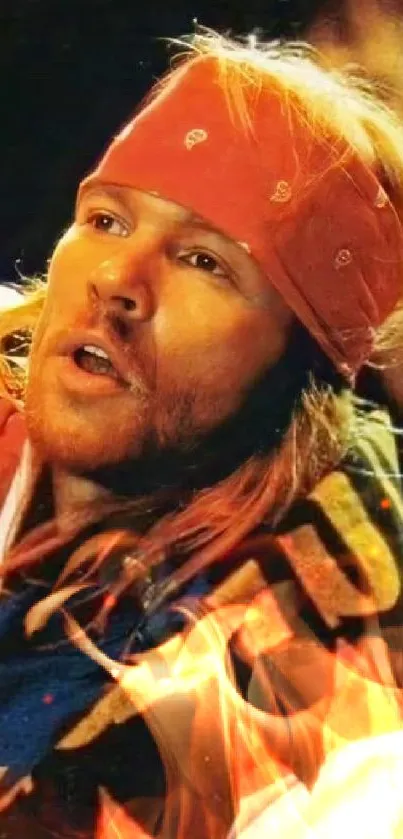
x=305 y=206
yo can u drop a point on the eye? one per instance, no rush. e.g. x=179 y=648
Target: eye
x=105 y=222
x=203 y=261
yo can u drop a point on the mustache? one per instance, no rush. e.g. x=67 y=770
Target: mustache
x=126 y=339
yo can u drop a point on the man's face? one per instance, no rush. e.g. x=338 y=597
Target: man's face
x=186 y=318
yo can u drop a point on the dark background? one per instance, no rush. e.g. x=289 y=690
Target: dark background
x=72 y=72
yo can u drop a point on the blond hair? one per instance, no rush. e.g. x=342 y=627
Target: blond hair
x=329 y=98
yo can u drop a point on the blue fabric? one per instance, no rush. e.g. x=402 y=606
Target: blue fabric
x=46 y=682
x=40 y=689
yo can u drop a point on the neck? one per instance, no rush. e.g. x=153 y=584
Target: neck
x=75 y=496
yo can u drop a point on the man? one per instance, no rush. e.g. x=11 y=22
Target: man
x=192 y=516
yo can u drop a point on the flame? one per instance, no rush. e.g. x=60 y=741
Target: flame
x=115 y=823
x=235 y=770
x=226 y=761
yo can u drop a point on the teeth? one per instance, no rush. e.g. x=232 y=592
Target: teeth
x=90 y=348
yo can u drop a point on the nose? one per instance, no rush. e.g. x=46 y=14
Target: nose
x=121 y=283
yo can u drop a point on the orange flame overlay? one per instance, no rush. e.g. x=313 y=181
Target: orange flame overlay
x=234 y=768
x=314 y=750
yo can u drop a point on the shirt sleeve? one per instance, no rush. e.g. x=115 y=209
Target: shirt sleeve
x=12 y=437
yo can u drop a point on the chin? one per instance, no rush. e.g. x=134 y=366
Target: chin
x=81 y=441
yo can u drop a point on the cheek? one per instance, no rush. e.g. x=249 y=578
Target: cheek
x=208 y=359
x=210 y=342
x=67 y=267
x=71 y=263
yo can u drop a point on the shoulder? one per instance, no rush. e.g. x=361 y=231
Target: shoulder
x=12 y=437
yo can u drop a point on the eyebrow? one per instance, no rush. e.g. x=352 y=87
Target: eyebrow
x=105 y=192
x=190 y=220
x=193 y=220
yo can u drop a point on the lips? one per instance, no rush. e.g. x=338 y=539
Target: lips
x=94 y=360
x=95 y=354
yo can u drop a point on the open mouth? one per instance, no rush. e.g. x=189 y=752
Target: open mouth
x=93 y=360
